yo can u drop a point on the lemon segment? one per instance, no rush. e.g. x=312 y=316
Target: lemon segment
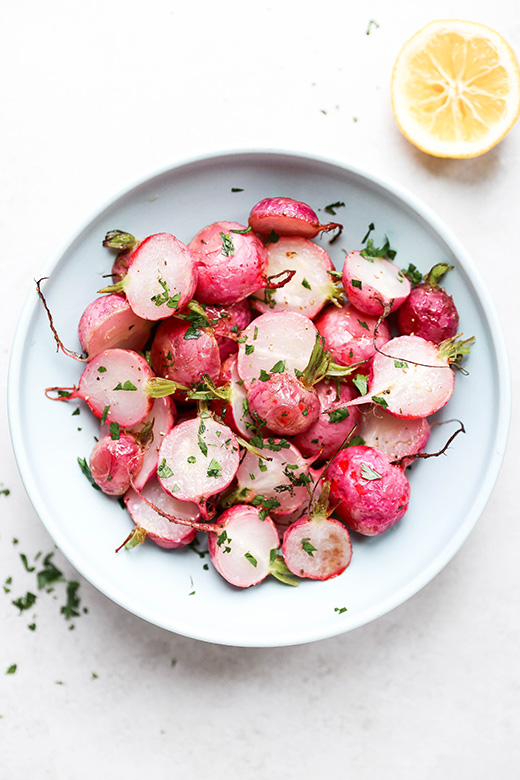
x=456 y=89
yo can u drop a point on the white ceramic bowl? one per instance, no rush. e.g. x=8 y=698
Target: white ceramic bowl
x=171 y=588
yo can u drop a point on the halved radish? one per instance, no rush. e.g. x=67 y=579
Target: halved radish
x=109 y=322
x=392 y=435
x=413 y=378
x=374 y=284
x=231 y=262
x=282 y=339
x=164 y=532
x=277 y=482
x=119 y=386
x=197 y=460
x=310 y=288
x=243 y=550
x=227 y=322
x=287 y=217
x=161 y=277
x=317 y=546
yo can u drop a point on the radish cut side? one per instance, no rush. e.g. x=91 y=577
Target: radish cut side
x=275 y=337
x=161 y=277
x=241 y=553
x=278 y=484
x=311 y=286
x=410 y=380
x=394 y=436
x=317 y=549
x=164 y=532
x=371 y=283
x=114 y=386
x=198 y=459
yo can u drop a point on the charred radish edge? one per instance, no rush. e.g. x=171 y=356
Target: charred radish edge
x=404 y=460
x=83 y=357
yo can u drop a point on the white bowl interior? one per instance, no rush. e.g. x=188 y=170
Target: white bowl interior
x=448 y=493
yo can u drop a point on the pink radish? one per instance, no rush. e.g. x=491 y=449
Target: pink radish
x=374 y=285
x=229 y=400
x=277 y=482
x=165 y=533
x=413 y=378
x=227 y=322
x=109 y=322
x=335 y=423
x=242 y=552
x=310 y=288
x=429 y=311
x=316 y=546
x=118 y=385
x=150 y=432
x=349 y=334
x=287 y=217
x=231 y=263
x=114 y=461
x=161 y=277
x=198 y=459
x=367 y=492
x=392 y=435
x=285 y=403
x=183 y=352
x=284 y=339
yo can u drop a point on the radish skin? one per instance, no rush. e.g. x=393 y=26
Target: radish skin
x=113 y=462
x=109 y=322
x=230 y=263
x=287 y=217
x=349 y=334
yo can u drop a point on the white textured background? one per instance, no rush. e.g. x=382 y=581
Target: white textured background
x=93 y=96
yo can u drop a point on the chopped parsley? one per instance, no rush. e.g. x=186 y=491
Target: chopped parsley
x=125 y=386
x=357 y=283
x=380 y=401
x=214 y=469
x=331 y=208
x=278 y=367
x=104 y=415
x=71 y=606
x=85 y=469
x=251 y=558
x=340 y=610
x=308 y=547
x=306 y=284
x=25 y=602
x=413 y=274
x=164 y=471
x=12 y=669
x=228 y=248
x=368 y=473
x=114 y=431
x=338 y=415
x=360 y=381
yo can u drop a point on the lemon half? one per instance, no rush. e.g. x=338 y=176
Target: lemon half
x=456 y=89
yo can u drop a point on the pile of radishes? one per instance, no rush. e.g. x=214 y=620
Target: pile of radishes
x=248 y=390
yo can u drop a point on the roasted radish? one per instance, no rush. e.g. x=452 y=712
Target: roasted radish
x=309 y=289
x=367 y=492
x=231 y=262
x=287 y=217
x=164 y=532
x=374 y=285
x=429 y=311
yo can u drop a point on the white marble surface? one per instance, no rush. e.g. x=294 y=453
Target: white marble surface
x=93 y=96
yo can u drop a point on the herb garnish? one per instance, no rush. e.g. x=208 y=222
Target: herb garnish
x=368 y=473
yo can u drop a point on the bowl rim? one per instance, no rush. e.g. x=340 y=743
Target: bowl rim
x=503 y=403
